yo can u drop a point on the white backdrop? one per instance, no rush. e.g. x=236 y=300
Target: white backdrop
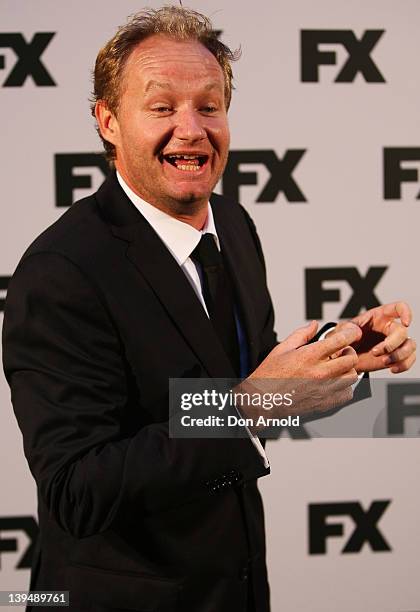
x=347 y=221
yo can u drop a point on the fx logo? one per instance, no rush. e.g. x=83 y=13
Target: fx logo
x=362 y=297
x=28 y=59
x=403 y=403
x=365 y=531
x=358 y=50
x=67 y=180
x=281 y=178
x=395 y=174
x=4 y=283
x=24 y=524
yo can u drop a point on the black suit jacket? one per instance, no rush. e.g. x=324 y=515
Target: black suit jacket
x=98 y=317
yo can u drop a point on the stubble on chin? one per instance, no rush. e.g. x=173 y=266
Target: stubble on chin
x=188 y=204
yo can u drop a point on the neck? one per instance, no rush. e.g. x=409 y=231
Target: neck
x=197 y=220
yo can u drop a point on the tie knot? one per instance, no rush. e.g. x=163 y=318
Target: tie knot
x=206 y=252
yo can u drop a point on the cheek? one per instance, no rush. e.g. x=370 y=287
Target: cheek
x=224 y=139
x=150 y=137
x=220 y=135
x=224 y=133
x=133 y=128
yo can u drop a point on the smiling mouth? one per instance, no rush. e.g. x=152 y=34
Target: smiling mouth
x=187 y=163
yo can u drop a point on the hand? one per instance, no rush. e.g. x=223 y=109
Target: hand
x=320 y=383
x=385 y=342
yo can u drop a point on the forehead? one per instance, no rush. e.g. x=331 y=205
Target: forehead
x=160 y=58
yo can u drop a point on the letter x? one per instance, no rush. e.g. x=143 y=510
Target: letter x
x=366 y=527
x=359 y=51
x=29 y=62
x=359 y=59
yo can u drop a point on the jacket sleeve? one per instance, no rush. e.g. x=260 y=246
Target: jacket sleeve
x=268 y=337
x=65 y=365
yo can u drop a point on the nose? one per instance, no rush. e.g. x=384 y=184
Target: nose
x=189 y=125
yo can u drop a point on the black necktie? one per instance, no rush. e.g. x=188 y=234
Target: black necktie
x=218 y=296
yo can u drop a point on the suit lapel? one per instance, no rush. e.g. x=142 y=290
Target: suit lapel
x=168 y=281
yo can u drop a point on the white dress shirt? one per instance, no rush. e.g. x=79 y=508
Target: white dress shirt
x=181 y=239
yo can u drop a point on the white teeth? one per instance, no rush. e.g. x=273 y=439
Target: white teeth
x=192 y=166
x=183 y=156
x=188 y=167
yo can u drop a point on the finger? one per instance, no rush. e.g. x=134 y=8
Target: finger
x=403 y=352
x=340 y=366
x=396 y=336
x=403 y=366
x=343 y=382
x=349 y=350
x=398 y=310
x=363 y=318
x=299 y=337
x=339 y=327
x=337 y=341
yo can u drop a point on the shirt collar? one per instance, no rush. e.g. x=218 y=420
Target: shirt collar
x=179 y=237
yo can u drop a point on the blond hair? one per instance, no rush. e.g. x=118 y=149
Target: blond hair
x=176 y=22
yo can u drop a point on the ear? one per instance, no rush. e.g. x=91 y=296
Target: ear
x=107 y=122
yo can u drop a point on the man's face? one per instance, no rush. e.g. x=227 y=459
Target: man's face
x=171 y=132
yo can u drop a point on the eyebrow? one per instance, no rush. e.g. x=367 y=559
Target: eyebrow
x=157 y=85
x=212 y=85
x=153 y=84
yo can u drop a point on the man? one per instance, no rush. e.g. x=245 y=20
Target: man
x=116 y=298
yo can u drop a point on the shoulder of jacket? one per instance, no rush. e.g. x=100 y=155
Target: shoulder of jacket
x=79 y=228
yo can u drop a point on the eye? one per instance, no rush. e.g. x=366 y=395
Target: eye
x=162 y=109
x=209 y=109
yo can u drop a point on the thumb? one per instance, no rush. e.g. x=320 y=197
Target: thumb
x=299 y=337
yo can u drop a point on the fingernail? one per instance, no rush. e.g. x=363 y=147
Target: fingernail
x=387 y=360
x=375 y=351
